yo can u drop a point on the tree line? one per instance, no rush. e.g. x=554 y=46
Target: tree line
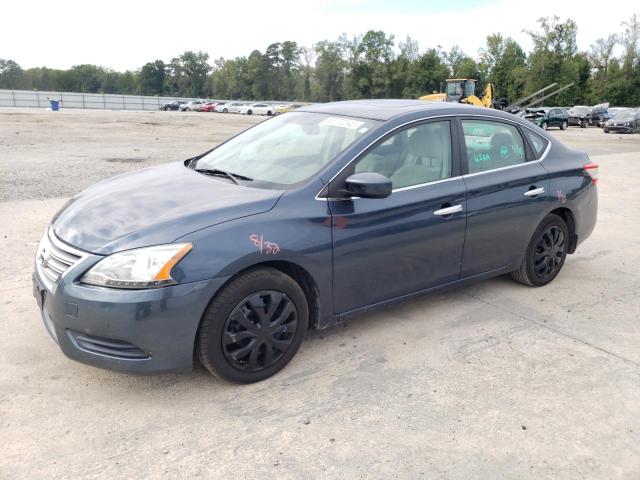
x=373 y=65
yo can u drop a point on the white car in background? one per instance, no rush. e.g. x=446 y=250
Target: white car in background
x=258 y=109
x=231 y=107
x=192 y=105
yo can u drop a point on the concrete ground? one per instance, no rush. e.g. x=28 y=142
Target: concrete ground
x=493 y=381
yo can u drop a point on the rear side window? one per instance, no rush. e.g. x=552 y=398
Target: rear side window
x=492 y=145
x=538 y=144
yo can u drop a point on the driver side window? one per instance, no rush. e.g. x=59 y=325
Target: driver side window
x=412 y=156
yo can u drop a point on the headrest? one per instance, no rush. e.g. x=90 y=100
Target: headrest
x=426 y=142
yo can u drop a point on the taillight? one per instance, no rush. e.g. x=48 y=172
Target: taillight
x=592 y=170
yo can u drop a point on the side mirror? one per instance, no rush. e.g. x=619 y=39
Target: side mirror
x=368 y=185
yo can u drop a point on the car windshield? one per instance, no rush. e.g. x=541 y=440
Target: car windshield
x=625 y=115
x=286 y=149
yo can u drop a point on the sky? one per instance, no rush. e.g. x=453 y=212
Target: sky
x=123 y=35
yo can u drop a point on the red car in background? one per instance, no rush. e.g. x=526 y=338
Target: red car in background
x=208 y=107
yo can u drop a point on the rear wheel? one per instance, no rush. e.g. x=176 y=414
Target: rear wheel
x=225 y=110
x=564 y=125
x=249 y=112
x=583 y=124
x=269 y=113
x=545 y=254
x=544 y=125
x=254 y=327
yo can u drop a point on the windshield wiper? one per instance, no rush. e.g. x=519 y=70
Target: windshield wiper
x=234 y=177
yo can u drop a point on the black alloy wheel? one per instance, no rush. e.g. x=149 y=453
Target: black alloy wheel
x=546 y=253
x=259 y=331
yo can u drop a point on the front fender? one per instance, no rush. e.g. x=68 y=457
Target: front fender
x=297 y=231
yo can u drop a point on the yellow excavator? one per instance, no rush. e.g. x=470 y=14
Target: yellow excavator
x=463 y=90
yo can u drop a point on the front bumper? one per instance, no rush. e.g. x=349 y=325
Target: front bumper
x=144 y=331
x=618 y=129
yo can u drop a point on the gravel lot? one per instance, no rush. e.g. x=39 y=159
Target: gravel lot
x=495 y=380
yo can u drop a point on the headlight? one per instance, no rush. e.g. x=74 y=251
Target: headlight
x=148 y=267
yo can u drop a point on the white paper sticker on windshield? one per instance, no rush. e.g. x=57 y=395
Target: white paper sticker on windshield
x=342 y=122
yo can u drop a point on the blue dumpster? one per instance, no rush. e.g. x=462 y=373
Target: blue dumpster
x=55 y=105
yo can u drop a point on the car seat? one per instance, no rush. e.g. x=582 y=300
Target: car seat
x=428 y=158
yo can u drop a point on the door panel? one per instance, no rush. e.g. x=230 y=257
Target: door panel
x=500 y=218
x=385 y=248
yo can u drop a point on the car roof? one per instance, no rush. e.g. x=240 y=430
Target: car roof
x=387 y=109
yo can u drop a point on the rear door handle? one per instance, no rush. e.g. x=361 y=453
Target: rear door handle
x=534 y=192
x=448 y=210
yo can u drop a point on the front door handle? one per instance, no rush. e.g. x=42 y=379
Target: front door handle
x=448 y=210
x=534 y=192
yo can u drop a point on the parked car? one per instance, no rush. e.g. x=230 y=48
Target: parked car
x=192 y=105
x=546 y=117
x=231 y=107
x=173 y=105
x=580 y=116
x=623 y=121
x=599 y=114
x=207 y=107
x=219 y=106
x=231 y=256
x=258 y=109
x=286 y=108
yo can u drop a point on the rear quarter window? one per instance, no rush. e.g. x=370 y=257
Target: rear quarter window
x=538 y=144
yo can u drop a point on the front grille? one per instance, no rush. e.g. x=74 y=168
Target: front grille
x=104 y=346
x=53 y=259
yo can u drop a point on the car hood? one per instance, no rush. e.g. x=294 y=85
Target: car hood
x=154 y=206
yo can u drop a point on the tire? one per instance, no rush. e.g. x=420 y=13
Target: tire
x=236 y=316
x=187 y=109
x=224 y=110
x=544 y=126
x=269 y=113
x=583 y=124
x=249 y=112
x=546 y=253
x=606 y=131
x=563 y=125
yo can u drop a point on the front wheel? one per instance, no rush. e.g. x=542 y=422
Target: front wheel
x=269 y=113
x=249 y=112
x=253 y=327
x=583 y=124
x=564 y=125
x=545 y=254
x=544 y=125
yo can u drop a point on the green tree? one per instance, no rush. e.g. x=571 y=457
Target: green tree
x=329 y=70
x=152 y=76
x=374 y=73
x=555 y=59
x=426 y=75
x=505 y=64
x=11 y=74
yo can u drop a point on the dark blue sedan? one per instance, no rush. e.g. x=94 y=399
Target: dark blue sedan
x=302 y=220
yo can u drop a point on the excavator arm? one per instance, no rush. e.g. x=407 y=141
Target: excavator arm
x=485 y=101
